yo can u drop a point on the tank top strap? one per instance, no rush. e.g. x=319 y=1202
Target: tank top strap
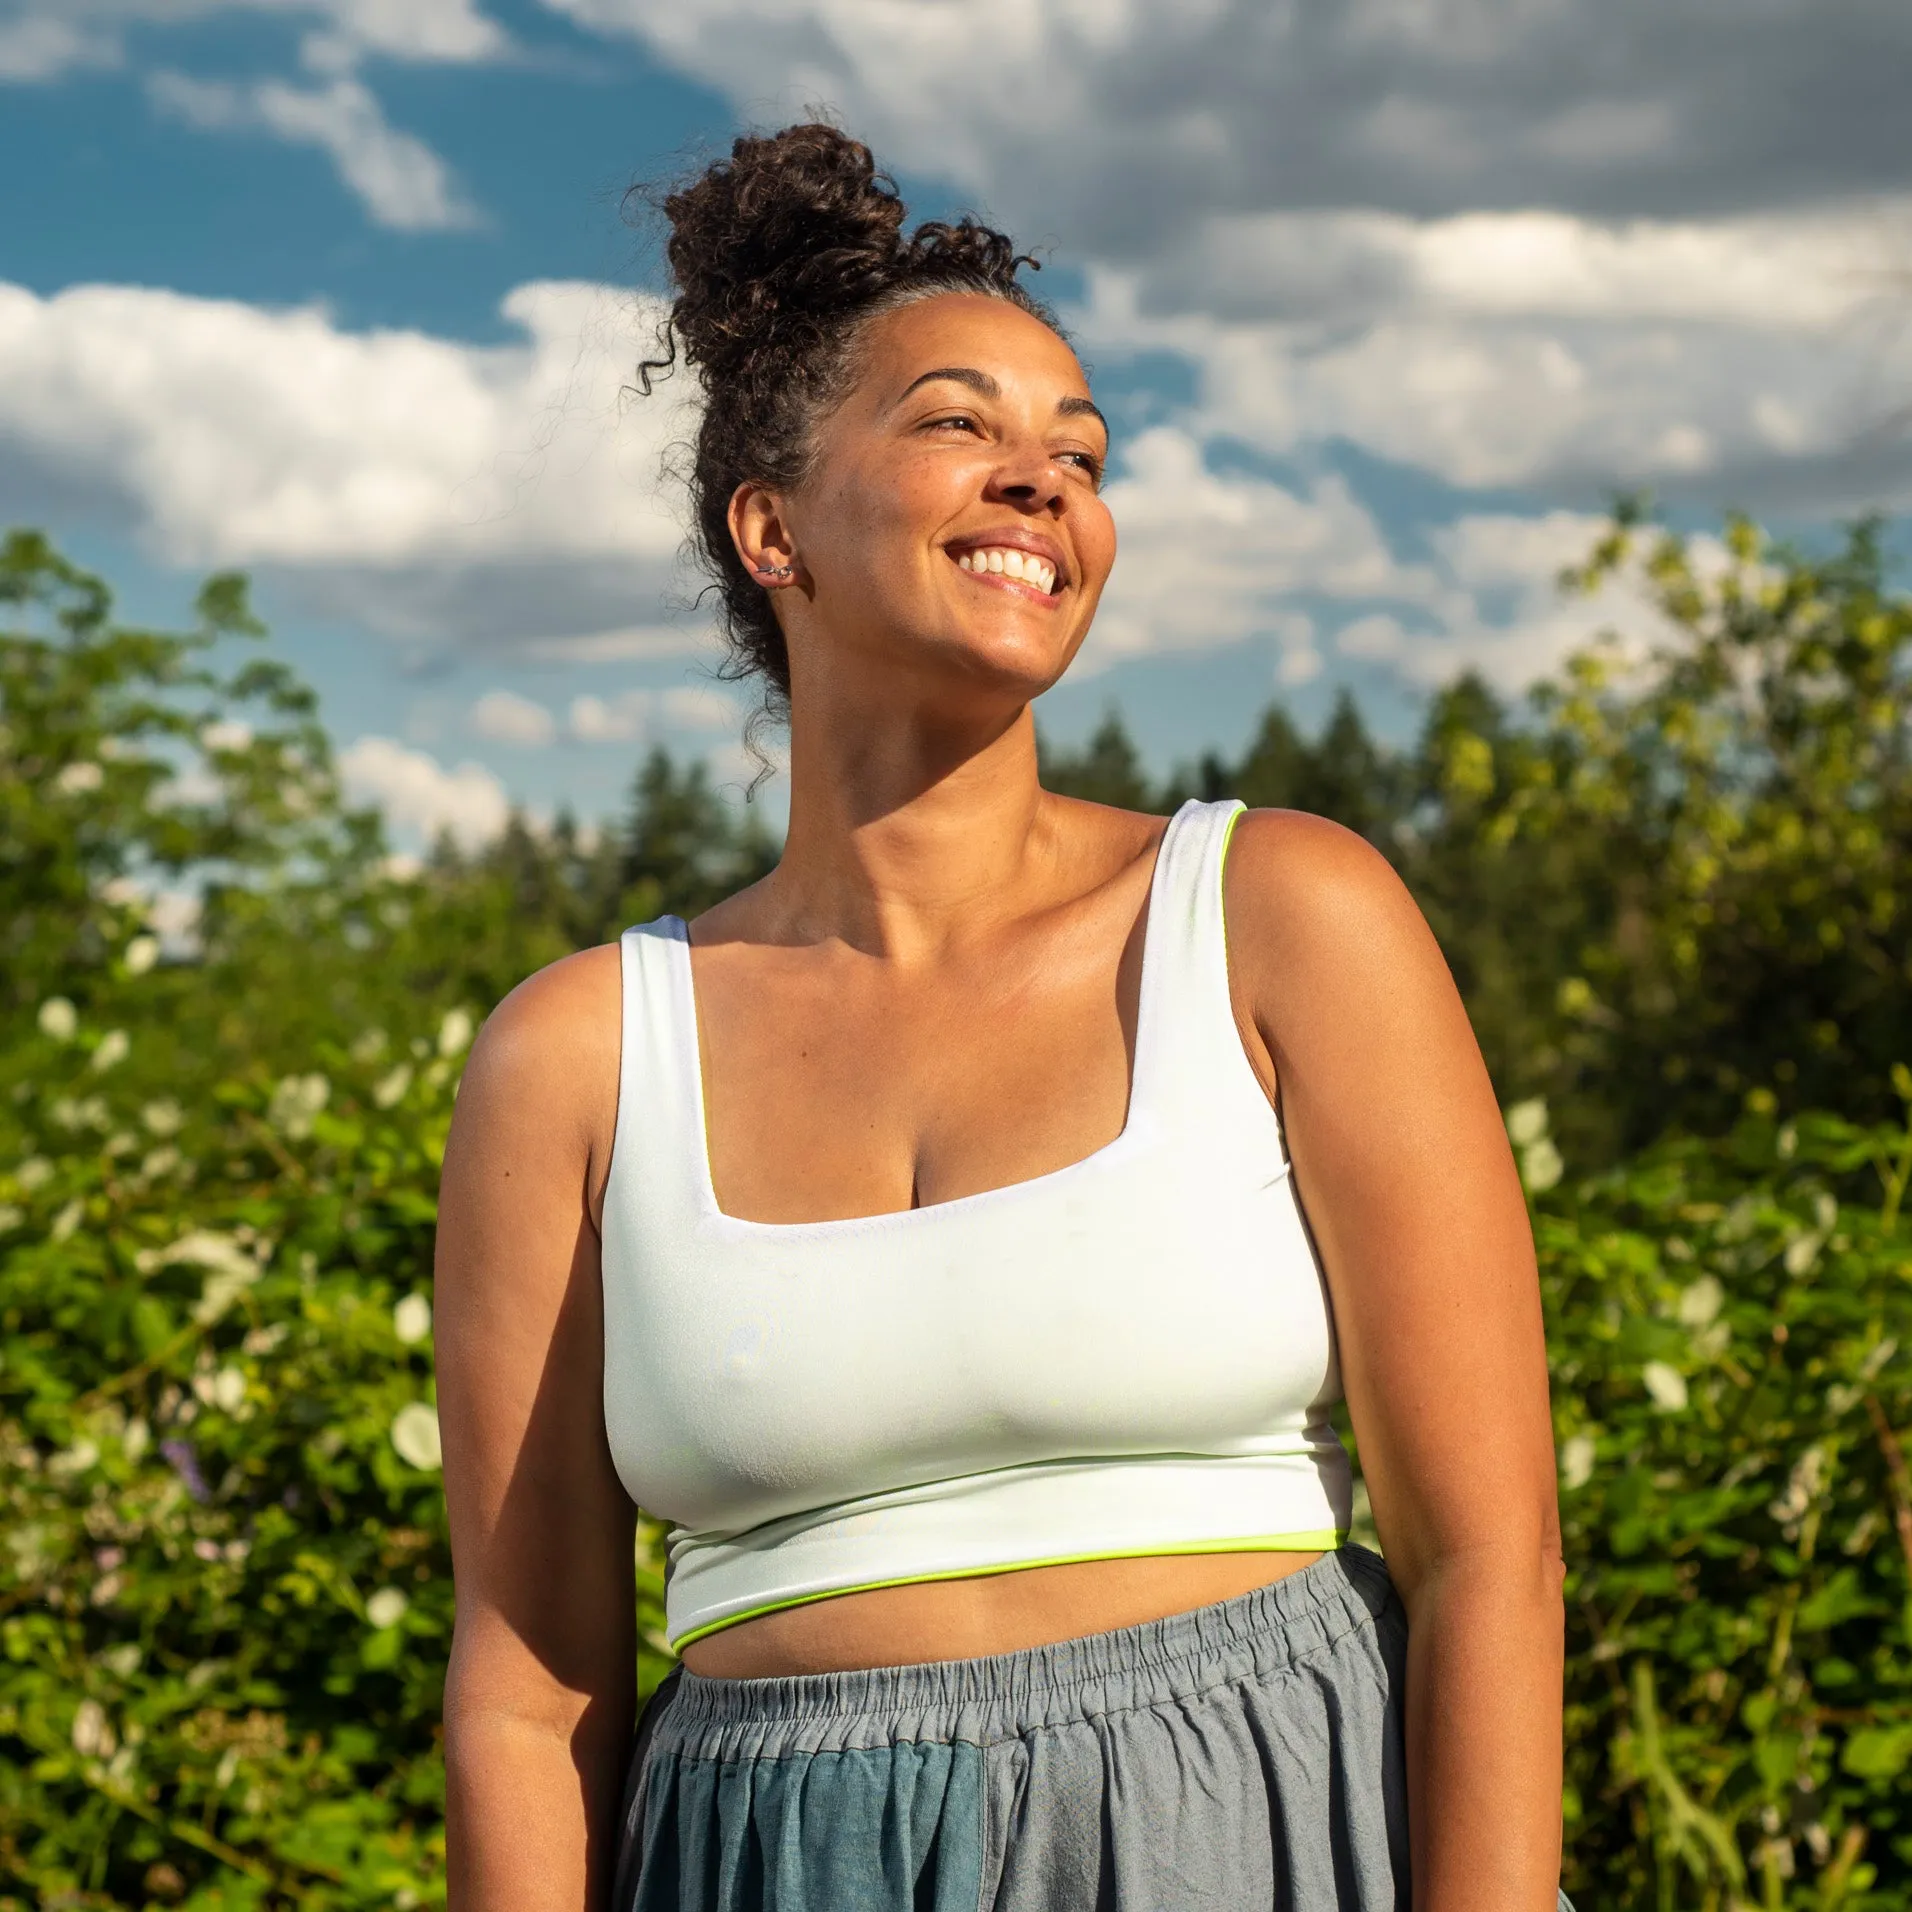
x=1188 y=1049
x=660 y=1096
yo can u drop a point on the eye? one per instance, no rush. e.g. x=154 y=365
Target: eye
x=957 y=421
x=1085 y=461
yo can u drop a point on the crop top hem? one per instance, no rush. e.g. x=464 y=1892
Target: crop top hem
x=1323 y=1540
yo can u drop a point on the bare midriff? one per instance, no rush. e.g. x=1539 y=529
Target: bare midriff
x=973 y=1618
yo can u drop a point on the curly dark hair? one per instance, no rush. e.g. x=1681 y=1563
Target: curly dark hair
x=781 y=254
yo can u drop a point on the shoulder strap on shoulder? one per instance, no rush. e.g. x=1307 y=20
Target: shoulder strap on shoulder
x=660 y=1098
x=1188 y=1041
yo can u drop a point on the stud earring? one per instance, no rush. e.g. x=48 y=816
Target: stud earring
x=775 y=571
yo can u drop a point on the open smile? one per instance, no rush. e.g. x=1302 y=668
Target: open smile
x=1030 y=573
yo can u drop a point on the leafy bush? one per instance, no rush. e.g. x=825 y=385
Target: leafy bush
x=227 y=1595
x=1729 y=1330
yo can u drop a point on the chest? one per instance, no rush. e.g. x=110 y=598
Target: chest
x=834 y=1087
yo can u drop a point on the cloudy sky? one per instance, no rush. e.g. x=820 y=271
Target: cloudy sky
x=1384 y=296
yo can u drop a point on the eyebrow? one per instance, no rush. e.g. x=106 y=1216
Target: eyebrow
x=986 y=387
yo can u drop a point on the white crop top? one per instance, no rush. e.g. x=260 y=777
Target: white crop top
x=1131 y=1355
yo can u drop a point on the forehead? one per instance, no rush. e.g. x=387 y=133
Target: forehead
x=967 y=328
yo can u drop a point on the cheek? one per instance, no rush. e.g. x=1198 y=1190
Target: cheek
x=896 y=498
x=1095 y=540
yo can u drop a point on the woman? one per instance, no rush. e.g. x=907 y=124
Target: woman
x=915 y=1232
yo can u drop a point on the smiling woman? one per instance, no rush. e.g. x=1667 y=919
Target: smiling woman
x=920 y=1233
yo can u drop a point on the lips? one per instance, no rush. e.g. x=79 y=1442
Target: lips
x=1015 y=555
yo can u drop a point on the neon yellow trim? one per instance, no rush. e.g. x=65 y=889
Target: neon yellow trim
x=1322 y=1540
x=1221 y=879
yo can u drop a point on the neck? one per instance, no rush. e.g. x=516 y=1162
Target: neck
x=908 y=834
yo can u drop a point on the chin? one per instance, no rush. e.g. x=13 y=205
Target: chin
x=1020 y=661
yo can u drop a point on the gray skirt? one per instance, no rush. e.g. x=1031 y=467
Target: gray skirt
x=1247 y=1754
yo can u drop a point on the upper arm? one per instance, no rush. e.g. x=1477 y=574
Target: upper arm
x=542 y=1532
x=1403 y=1167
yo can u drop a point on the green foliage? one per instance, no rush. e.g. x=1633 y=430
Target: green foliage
x=1730 y=1324
x=1666 y=888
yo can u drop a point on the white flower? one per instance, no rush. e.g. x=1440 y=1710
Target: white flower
x=1666 y=1385
x=228 y=1390
x=296 y=1101
x=92 y=1735
x=82 y=1457
x=160 y=1161
x=136 y=1438
x=386 y=1607
x=11 y=1216
x=113 y=1049
x=1541 y=1166
x=1576 y=1461
x=67 y=1219
x=390 y=1088
x=35 y=1172
x=59 y=1019
x=1802 y=1486
x=412 y=1319
x=1700 y=1303
x=415 y=1435
x=368 y=1045
x=141 y=954
x=1802 y=1252
x=230 y=1270
x=162 y=1116
x=1527 y=1121
x=77 y=779
x=226 y=734
x=454 y=1033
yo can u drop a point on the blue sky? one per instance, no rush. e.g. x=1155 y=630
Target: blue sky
x=1385 y=299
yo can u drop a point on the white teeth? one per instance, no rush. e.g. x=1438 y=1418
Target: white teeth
x=1011 y=563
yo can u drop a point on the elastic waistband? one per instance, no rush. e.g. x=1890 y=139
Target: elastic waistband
x=1262 y=1632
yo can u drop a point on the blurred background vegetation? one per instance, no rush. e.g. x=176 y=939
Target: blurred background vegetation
x=1672 y=884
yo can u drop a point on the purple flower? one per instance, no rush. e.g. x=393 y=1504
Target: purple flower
x=185 y=1463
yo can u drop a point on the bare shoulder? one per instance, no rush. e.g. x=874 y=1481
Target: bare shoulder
x=1295 y=880
x=1320 y=924
x=546 y=1060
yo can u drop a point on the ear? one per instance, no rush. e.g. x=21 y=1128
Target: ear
x=762 y=537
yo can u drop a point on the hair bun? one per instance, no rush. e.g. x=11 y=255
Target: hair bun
x=797 y=225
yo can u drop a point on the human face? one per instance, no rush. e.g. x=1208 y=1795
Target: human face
x=968 y=452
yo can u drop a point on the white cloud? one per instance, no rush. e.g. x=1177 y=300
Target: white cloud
x=1535 y=349
x=632 y=714
x=615 y=720
x=399 y=180
x=507 y=718
x=1208 y=559
x=699 y=707
x=1113 y=122
x=36 y=47
x=1509 y=241
x=1211 y=558
x=420 y=798
x=434 y=490
x=48 y=38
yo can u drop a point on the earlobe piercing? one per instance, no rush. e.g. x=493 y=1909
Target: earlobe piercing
x=775 y=571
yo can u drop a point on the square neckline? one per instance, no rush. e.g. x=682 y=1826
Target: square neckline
x=1133 y=1123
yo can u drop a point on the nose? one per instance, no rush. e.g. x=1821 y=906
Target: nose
x=1028 y=477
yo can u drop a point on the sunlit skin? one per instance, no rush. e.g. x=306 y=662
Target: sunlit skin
x=934 y=994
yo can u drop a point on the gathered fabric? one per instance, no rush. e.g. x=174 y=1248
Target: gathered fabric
x=1246 y=1755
